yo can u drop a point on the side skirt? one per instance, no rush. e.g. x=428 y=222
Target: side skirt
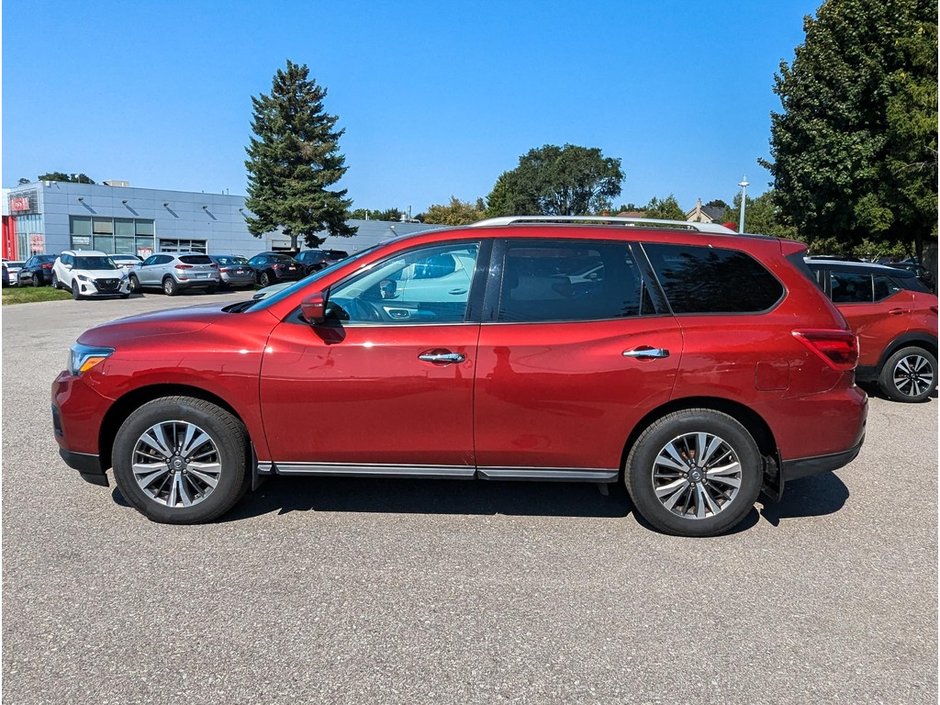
x=466 y=472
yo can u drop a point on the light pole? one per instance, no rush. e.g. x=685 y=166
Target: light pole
x=743 y=184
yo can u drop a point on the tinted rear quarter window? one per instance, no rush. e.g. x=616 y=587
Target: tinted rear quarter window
x=713 y=280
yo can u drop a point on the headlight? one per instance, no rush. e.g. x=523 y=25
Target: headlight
x=83 y=357
x=83 y=277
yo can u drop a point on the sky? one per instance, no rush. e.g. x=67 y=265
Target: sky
x=437 y=99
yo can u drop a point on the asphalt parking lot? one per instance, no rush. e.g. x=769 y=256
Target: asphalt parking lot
x=397 y=591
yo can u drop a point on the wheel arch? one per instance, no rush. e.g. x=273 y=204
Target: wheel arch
x=126 y=404
x=747 y=417
x=914 y=339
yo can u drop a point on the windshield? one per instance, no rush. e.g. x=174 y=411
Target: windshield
x=94 y=263
x=303 y=283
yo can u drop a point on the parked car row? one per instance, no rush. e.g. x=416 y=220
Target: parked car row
x=79 y=271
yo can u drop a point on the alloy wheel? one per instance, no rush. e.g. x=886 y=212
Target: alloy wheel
x=696 y=475
x=913 y=375
x=176 y=464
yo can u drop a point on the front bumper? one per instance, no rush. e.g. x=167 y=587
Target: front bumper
x=88 y=466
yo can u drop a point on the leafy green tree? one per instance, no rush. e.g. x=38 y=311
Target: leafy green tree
x=855 y=146
x=554 y=180
x=717 y=203
x=369 y=214
x=665 y=209
x=60 y=176
x=456 y=212
x=293 y=160
x=761 y=215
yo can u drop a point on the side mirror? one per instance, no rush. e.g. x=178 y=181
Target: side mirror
x=313 y=308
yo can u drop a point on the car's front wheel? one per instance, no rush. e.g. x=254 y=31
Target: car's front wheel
x=181 y=460
x=909 y=375
x=695 y=472
x=134 y=283
x=76 y=292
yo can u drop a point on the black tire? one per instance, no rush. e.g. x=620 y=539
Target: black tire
x=75 y=291
x=35 y=280
x=134 y=283
x=170 y=287
x=643 y=473
x=125 y=296
x=264 y=280
x=55 y=281
x=211 y=289
x=909 y=375
x=225 y=431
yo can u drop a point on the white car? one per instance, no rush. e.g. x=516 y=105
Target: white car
x=127 y=262
x=89 y=273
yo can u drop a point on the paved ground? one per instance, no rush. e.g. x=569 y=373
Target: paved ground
x=362 y=591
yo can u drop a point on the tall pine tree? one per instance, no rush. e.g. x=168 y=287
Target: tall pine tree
x=293 y=160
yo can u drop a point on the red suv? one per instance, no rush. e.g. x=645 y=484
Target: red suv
x=895 y=317
x=695 y=365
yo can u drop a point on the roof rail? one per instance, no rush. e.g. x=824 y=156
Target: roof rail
x=631 y=222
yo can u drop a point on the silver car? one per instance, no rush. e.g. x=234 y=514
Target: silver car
x=174 y=271
x=234 y=270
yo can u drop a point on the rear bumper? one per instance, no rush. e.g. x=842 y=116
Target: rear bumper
x=805 y=467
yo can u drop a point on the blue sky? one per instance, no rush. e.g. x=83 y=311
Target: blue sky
x=437 y=98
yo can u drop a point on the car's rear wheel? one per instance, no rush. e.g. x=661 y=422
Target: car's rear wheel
x=695 y=472
x=265 y=279
x=909 y=375
x=170 y=287
x=181 y=460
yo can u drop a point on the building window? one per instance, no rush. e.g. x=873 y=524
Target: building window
x=167 y=245
x=117 y=235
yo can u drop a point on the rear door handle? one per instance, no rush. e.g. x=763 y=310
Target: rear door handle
x=645 y=351
x=442 y=357
x=897 y=311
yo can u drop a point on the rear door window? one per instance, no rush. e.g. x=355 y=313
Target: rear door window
x=885 y=286
x=713 y=280
x=569 y=280
x=849 y=288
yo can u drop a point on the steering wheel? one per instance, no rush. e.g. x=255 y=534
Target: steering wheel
x=360 y=310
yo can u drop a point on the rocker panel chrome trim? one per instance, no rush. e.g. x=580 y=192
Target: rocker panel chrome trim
x=556 y=474
x=371 y=470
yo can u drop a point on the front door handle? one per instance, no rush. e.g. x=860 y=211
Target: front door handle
x=645 y=351
x=442 y=357
x=897 y=311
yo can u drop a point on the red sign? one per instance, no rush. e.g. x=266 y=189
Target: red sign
x=20 y=203
x=37 y=243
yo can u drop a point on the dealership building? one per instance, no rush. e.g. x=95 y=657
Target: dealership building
x=113 y=217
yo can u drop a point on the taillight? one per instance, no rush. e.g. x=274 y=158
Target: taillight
x=183 y=266
x=280 y=266
x=45 y=266
x=837 y=348
x=225 y=269
x=214 y=265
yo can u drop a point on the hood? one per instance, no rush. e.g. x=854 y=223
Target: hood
x=158 y=323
